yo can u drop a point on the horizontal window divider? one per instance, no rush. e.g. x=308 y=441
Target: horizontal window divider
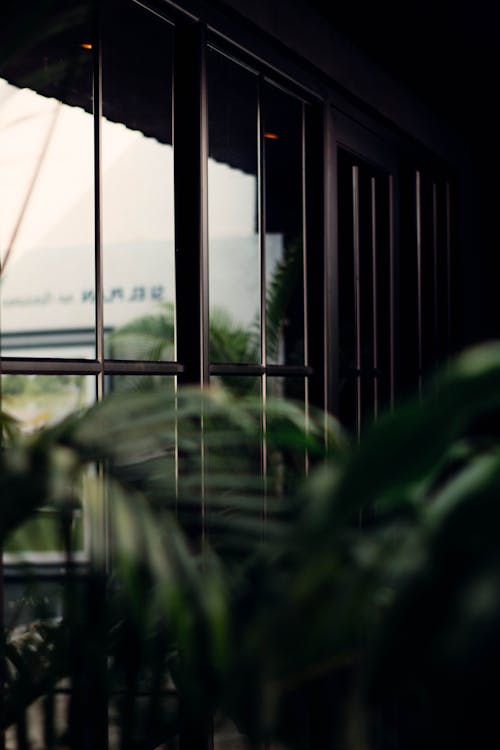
x=289 y=370
x=272 y=370
x=39 y=366
x=30 y=366
x=45 y=571
x=236 y=369
x=132 y=367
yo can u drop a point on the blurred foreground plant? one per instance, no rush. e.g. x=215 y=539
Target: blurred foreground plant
x=356 y=609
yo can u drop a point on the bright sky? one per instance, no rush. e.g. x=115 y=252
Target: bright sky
x=137 y=180
x=66 y=175
x=52 y=257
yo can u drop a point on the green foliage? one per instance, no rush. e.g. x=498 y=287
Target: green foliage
x=150 y=337
x=230 y=342
x=37 y=385
x=280 y=292
x=369 y=592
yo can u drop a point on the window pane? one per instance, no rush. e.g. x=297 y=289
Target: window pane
x=233 y=212
x=233 y=496
x=37 y=401
x=348 y=313
x=47 y=186
x=238 y=385
x=166 y=385
x=366 y=272
x=284 y=228
x=383 y=272
x=40 y=400
x=442 y=269
x=427 y=274
x=137 y=182
x=147 y=441
x=286 y=451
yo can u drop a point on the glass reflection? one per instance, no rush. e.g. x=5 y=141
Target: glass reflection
x=164 y=385
x=286 y=464
x=147 y=448
x=232 y=472
x=36 y=401
x=233 y=216
x=47 y=186
x=137 y=183
x=238 y=385
x=292 y=388
x=282 y=116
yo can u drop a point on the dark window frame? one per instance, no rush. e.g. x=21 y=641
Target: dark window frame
x=331 y=121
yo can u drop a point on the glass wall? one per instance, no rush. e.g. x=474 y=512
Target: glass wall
x=256 y=230
x=233 y=212
x=284 y=242
x=94 y=281
x=47 y=185
x=137 y=185
x=88 y=246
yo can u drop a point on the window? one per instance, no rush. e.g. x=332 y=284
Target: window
x=165 y=218
x=366 y=292
x=104 y=281
x=47 y=188
x=426 y=273
x=178 y=206
x=256 y=231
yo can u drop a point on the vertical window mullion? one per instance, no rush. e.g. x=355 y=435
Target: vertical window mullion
x=262 y=226
x=392 y=293
x=435 y=273
x=448 y=328
x=261 y=190
x=373 y=199
x=203 y=229
x=304 y=238
x=357 y=300
x=191 y=255
x=317 y=282
x=98 y=589
x=418 y=209
x=97 y=97
x=104 y=528
x=329 y=243
x=304 y=272
x=190 y=203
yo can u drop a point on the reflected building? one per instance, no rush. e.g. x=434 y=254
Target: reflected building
x=220 y=193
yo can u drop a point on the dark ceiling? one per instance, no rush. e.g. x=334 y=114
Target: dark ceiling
x=445 y=50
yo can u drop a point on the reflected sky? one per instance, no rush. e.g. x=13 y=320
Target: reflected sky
x=48 y=282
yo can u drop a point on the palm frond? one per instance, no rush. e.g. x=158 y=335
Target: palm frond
x=281 y=290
